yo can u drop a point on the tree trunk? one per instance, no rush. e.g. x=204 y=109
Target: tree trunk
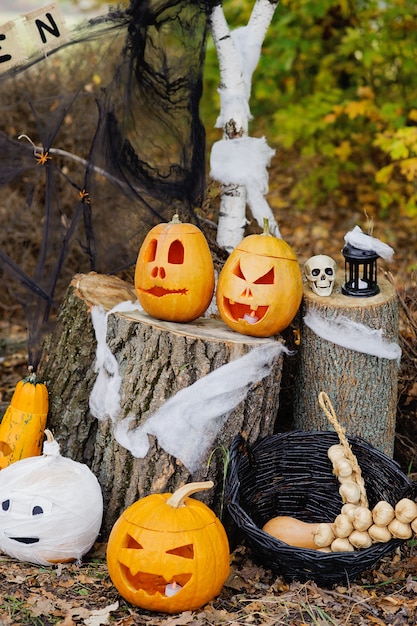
x=362 y=387
x=156 y=359
x=236 y=65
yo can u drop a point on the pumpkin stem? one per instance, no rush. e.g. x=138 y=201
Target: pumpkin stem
x=31 y=377
x=178 y=497
x=49 y=436
x=176 y=219
x=266 y=227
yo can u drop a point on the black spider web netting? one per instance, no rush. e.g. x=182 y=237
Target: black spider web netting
x=115 y=116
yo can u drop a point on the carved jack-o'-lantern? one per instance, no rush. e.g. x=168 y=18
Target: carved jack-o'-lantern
x=260 y=286
x=169 y=553
x=51 y=508
x=174 y=277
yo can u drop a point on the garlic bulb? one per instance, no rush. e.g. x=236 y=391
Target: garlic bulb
x=342 y=526
x=349 y=509
x=400 y=530
x=362 y=518
x=406 y=510
x=342 y=468
x=383 y=513
x=341 y=544
x=324 y=535
x=336 y=452
x=350 y=492
x=414 y=526
x=379 y=534
x=360 y=539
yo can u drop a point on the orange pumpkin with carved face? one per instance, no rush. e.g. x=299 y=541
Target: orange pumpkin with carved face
x=260 y=286
x=169 y=552
x=174 y=277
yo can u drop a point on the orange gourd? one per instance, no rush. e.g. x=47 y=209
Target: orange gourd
x=23 y=424
x=174 y=275
x=293 y=531
x=169 y=553
x=260 y=286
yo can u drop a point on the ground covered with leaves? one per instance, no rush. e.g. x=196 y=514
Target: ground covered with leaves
x=84 y=594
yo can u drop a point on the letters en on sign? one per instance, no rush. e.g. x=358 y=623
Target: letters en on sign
x=43 y=30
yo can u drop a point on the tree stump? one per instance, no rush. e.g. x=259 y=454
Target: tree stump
x=156 y=359
x=362 y=388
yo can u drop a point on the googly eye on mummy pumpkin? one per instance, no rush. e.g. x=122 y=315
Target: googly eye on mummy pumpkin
x=51 y=508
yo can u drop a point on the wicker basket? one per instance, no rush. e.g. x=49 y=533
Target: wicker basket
x=290 y=474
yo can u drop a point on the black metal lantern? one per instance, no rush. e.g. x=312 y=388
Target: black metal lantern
x=360 y=272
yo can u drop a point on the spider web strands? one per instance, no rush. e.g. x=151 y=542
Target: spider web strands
x=117 y=144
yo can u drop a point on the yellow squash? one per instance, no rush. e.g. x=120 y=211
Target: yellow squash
x=23 y=424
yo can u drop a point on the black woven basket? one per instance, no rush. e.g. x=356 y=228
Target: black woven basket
x=290 y=474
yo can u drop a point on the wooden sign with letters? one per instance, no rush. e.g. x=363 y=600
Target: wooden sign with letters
x=41 y=30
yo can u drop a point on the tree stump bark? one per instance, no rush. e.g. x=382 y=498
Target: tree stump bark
x=362 y=388
x=156 y=359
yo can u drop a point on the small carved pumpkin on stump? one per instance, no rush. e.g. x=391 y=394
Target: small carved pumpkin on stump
x=174 y=277
x=169 y=552
x=23 y=424
x=260 y=286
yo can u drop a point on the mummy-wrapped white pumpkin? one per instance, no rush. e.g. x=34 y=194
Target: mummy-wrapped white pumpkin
x=51 y=508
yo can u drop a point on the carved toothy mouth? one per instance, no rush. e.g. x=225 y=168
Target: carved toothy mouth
x=26 y=540
x=243 y=312
x=152 y=583
x=159 y=292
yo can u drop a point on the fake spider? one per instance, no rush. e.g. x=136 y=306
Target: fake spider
x=85 y=196
x=42 y=157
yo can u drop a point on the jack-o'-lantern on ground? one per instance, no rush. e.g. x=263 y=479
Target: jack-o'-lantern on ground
x=260 y=286
x=174 y=276
x=169 y=552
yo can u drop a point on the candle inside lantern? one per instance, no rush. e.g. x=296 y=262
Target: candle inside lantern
x=172 y=588
x=363 y=284
x=251 y=319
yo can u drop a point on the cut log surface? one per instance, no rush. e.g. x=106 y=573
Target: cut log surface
x=362 y=388
x=155 y=359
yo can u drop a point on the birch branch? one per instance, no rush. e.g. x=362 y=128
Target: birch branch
x=238 y=55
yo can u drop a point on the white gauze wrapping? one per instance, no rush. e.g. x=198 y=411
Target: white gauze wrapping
x=52 y=508
x=244 y=161
x=105 y=398
x=359 y=239
x=352 y=335
x=187 y=424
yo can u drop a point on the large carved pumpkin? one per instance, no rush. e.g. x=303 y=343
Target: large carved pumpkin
x=23 y=424
x=169 y=553
x=174 y=277
x=260 y=286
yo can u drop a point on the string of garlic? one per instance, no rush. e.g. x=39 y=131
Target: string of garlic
x=358 y=527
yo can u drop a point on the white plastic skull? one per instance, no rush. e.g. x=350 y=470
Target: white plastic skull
x=320 y=271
